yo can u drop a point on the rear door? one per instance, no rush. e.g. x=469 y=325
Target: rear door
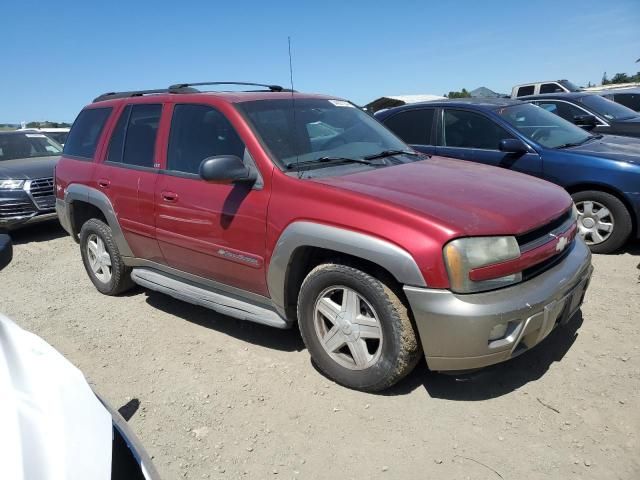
x=415 y=127
x=212 y=230
x=128 y=175
x=474 y=136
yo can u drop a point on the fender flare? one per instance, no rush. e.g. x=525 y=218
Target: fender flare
x=309 y=234
x=82 y=193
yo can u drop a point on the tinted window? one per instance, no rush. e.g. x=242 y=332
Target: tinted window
x=563 y=109
x=318 y=128
x=140 y=135
x=27 y=145
x=550 y=88
x=413 y=126
x=629 y=100
x=525 y=91
x=471 y=130
x=116 y=144
x=199 y=132
x=85 y=132
x=547 y=129
x=608 y=109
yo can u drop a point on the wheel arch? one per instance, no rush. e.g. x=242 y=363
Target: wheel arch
x=83 y=203
x=585 y=186
x=304 y=245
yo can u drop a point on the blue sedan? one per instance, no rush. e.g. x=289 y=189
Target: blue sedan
x=602 y=173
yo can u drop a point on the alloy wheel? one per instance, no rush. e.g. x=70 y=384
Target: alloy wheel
x=99 y=258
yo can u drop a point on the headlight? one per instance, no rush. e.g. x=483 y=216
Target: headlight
x=11 y=184
x=464 y=254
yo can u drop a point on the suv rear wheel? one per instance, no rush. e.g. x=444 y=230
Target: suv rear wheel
x=356 y=329
x=603 y=220
x=102 y=260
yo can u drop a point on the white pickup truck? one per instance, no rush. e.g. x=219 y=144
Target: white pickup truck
x=536 y=88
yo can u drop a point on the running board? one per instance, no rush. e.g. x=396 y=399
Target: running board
x=219 y=302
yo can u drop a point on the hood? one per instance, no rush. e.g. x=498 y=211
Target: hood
x=28 y=168
x=53 y=426
x=465 y=198
x=613 y=147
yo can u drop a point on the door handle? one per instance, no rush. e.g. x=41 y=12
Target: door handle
x=104 y=183
x=169 y=197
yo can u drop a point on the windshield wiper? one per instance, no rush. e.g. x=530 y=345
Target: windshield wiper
x=293 y=164
x=390 y=153
x=577 y=144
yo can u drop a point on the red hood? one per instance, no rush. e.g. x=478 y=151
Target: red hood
x=464 y=198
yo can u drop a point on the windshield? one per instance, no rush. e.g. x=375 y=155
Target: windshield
x=27 y=145
x=543 y=127
x=572 y=87
x=319 y=129
x=606 y=108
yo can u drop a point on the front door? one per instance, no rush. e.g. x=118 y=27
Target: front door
x=476 y=137
x=415 y=127
x=212 y=230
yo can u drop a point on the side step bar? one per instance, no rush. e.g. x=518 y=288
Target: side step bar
x=218 y=301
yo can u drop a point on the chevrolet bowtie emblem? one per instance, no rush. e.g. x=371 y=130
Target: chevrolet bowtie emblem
x=562 y=243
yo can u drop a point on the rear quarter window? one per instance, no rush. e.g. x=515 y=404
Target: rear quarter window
x=85 y=132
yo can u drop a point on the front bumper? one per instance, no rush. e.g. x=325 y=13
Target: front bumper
x=455 y=329
x=27 y=206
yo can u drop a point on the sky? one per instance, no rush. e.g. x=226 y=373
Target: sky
x=58 y=56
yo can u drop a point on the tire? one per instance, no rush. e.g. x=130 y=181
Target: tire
x=592 y=224
x=99 y=234
x=350 y=359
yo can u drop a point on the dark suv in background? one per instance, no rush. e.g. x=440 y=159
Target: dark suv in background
x=27 y=161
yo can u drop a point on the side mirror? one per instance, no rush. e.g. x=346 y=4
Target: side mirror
x=226 y=169
x=587 y=122
x=513 y=145
x=6 y=250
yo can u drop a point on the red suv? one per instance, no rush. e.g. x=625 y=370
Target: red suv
x=286 y=208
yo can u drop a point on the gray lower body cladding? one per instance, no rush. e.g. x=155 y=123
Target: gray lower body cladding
x=456 y=330
x=219 y=301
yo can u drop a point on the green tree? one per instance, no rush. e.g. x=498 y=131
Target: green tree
x=605 y=80
x=461 y=94
x=620 y=78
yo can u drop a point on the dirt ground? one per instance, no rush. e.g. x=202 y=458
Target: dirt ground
x=220 y=398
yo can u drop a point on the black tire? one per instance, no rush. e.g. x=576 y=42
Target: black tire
x=120 y=280
x=400 y=348
x=622 y=223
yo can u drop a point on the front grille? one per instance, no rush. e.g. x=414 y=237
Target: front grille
x=536 y=233
x=15 y=209
x=41 y=191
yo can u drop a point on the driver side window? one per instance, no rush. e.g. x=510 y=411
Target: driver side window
x=199 y=132
x=464 y=129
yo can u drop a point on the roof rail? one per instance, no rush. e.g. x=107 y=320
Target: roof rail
x=272 y=88
x=182 y=88
x=140 y=93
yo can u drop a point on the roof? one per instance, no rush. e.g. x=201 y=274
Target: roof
x=475 y=103
x=391 y=101
x=613 y=86
x=559 y=95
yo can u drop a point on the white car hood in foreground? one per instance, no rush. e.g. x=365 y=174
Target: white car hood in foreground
x=53 y=427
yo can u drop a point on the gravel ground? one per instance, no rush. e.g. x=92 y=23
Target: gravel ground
x=219 y=398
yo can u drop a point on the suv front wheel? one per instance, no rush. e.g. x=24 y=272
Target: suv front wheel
x=356 y=329
x=102 y=260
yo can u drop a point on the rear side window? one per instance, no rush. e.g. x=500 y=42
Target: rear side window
x=134 y=138
x=550 y=88
x=199 y=132
x=85 y=133
x=629 y=100
x=563 y=109
x=472 y=130
x=412 y=126
x=528 y=90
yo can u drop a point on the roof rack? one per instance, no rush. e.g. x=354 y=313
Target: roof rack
x=183 y=88
x=272 y=88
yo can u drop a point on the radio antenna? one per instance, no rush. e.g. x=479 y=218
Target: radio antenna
x=293 y=106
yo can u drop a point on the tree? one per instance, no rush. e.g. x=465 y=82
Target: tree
x=620 y=78
x=605 y=80
x=461 y=94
